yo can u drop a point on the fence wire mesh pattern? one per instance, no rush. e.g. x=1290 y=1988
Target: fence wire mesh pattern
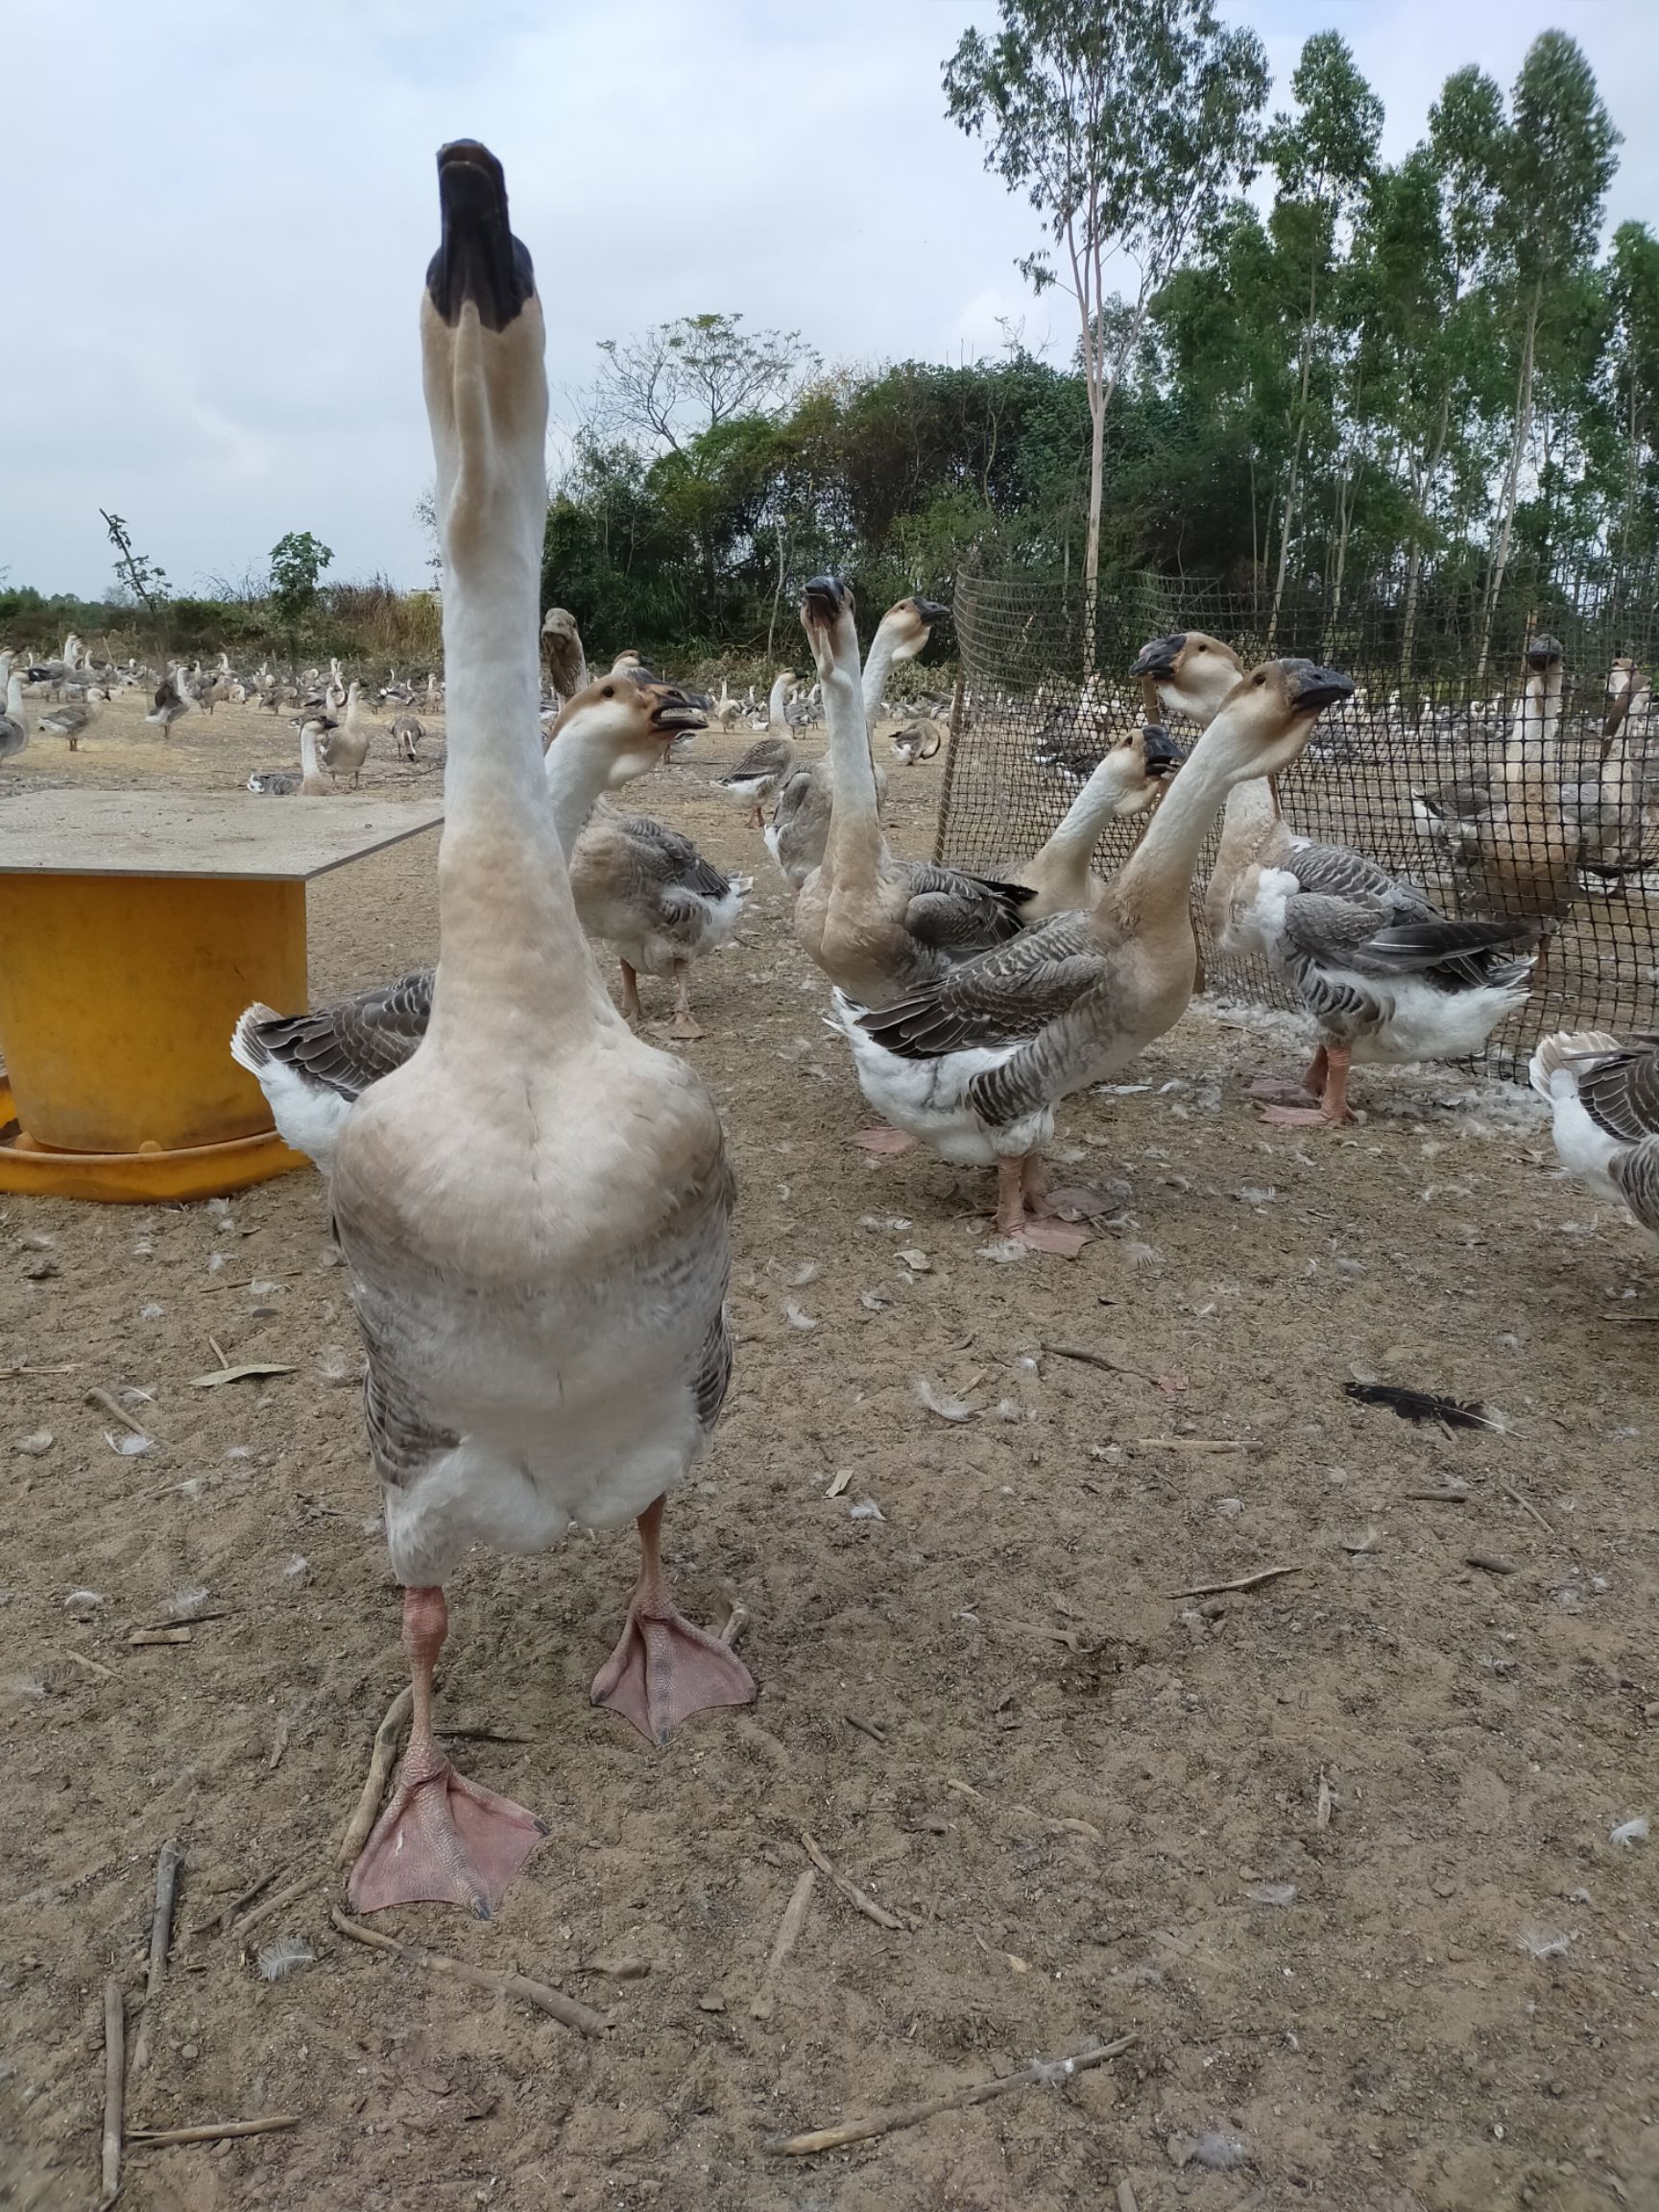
x=1435 y=768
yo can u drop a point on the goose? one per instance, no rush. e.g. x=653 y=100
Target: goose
x=171 y=701
x=1129 y=780
x=800 y=824
x=540 y=1285
x=562 y=650
x=69 y=721
x=878 y=926
x=275 y=783
x=1604 y=1096
x=766 y=764
x=1384 y=974
x=312 y=1066
x=407 y=733
x=14 y=729
x=919 y=740
x=975 y=1064
x=1618 y=804
x=344 y=749
x=1525 y=863
x=651 y=895
x=315 y=732
x=727 y=710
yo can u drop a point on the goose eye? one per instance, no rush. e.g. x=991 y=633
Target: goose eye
x=609 y=692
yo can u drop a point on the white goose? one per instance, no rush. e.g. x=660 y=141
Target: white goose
x=534 y=1207
x=1129 y=780
x=14 y=729
x=975 y=1064
x=1604 y=1096
x=763 y=766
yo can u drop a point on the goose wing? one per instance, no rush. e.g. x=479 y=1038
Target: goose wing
x=960 y=914
x=344 y=1047
x=1620 y=1091
x=766 y=756
x=1005 y=996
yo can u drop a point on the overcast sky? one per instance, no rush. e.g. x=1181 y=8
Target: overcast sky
x=223 y=210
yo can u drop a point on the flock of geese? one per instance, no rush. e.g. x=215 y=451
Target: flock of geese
x=533 y=1201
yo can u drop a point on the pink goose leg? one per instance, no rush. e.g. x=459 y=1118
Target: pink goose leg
x=663 y=1669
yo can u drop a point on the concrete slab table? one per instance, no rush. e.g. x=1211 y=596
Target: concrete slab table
x=134 y=927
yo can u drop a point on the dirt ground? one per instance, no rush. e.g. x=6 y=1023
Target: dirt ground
x=1334 y=1851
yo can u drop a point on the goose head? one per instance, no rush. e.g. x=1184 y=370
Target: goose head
x=635 y=722
x=909 y=624
x=1137 y=765
x=1192 y=672
x=830 y=618
x=1543 y=653
x=1269 y=716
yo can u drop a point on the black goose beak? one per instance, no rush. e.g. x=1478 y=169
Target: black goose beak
x=675 y=712
x=1159 y=654
x=1314 y=688
x=1161 y=752
x=478 y=259
x=1544 y=651
x=823 y=599
x=932 y=612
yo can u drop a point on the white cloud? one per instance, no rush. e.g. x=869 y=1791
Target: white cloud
x=229 y=208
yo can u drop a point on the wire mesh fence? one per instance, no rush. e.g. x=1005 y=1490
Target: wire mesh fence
x=1491 y=798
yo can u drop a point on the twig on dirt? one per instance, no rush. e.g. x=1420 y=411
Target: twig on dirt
x=107 y=1404
x=1241 y=1582
x=1194 y=1444
x=215 y=2132
x=1527 y=1506
x=219 y=1352
x=736 y=1621
x=241 y=1374
x=74 y=1363
x=114 y=2086
x=1126 y=2201
x=168 y=1867
x=289 y=1894
x=279 y=1743
x=1439 y=1497
x=277 y=1275
x=219 y=1921
x=92 y=1666
x=789 y=1935
x=848 y=1888
x=1042 y=2073
x=565 y=2009
x=483 y=1736
x=374 y=1783
x=875 y=1733
x=1490 y=1562
x=174 y=1635
x=191 y=1620
x=1322 y=1816
x=1101 y=1360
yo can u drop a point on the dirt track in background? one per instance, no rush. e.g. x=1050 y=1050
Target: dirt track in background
x=1333 y=1850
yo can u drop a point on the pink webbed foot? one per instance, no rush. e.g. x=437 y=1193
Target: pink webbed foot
x=444 y=1841
x=1293 y=1117
x=664 y=1668
x=882 y=1143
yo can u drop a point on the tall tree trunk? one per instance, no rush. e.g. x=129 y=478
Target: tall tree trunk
x=1509 y=497
x=1347 y=494
x=1292 y=486
x=1091 y=540
x=777 y=591
x=1414 y=566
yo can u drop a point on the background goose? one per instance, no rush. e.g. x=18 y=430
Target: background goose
x=975 y=1064
x=878 y=925
x=14 y=729
x=169 y=702
x=1129 y=779
x=407 y=733
x=919 y=740
x=763 y=766
x=534 y=1207
x=1385 y=976
x=70 y=720
x=1604 y=1097
x=345 y=748
x=562 y=650
x=799 y=824
x=651 y=895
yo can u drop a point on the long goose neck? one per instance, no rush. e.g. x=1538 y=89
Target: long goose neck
x=512 y=961
x=777 y=702
x=855 y=815
x=882 y=647
x=1248 y=822
x=1157 y=878
x=576 y=769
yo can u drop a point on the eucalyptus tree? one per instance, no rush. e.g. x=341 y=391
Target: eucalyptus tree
x=1559 y=155
x=1125 y=126
x=1633 y=296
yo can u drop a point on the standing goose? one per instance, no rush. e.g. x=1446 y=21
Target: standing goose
x=765 y=764
x=346 y=747
x=14 y=729
x=534 y=1208
x=799 y=824
x=562 y=650
x=1129 y=779
x=879 y=927
x=171 y=701
x=975 y=1064
x=648 y=892
x=69 y=721
x=1386 y=977
x=1603 y=1095
x=1526 y=859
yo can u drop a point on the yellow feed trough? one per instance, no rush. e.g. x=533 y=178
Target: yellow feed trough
x=134 y=927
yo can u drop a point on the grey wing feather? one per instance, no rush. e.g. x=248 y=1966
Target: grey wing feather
x=671 y=859
x=1637 y=1176
x=1621 y=1094
x=1334 y=870
x=1007 y=995
x=955 y=912
x=347 y=1046
x=766 y=756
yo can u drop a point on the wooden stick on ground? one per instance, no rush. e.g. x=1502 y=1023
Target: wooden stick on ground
x=563 y=2008
x=214 y=2131
x=167 y=1870
x=1240 y=1582
x=849 y=1889
x=379 y=1767
x=289 y=1894
x=1041 y=2072
x=789 y=1935
x=115 y=2089
x=107 y=1404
